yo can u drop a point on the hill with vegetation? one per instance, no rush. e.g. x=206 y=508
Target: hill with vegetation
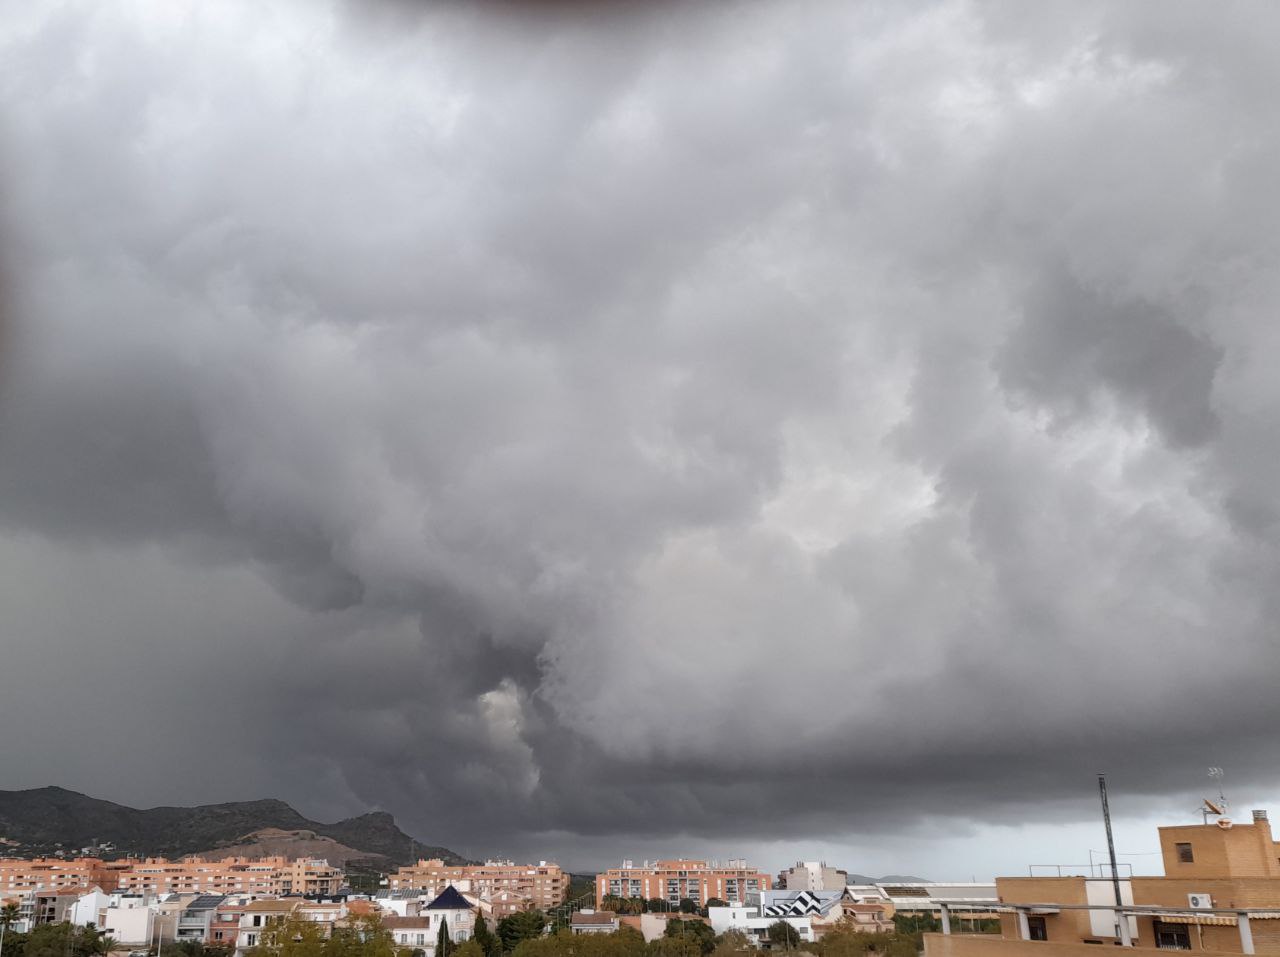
x=51 y=820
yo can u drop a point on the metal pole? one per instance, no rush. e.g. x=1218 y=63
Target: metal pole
x=1111 y=844
x=1246 y=934
x=1111 y=853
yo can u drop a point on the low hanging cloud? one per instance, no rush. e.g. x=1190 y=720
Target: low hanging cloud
x=586 y=420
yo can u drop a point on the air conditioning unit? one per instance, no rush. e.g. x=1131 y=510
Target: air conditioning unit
x=1199 y=901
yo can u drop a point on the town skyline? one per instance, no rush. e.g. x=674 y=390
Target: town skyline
x=984 y=854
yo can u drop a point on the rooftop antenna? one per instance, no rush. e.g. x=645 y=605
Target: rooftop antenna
x=1218 y=807
x=1216 y=774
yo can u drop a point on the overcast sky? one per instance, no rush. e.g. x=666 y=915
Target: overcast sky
x=592 y=430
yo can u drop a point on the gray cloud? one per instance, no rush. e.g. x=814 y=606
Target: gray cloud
x=644 y=420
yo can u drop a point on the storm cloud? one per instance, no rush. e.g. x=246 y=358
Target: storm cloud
x=564 y=424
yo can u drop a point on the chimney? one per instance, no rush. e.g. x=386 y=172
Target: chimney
x=1259 y=816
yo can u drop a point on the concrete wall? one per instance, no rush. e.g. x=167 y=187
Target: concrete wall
x=1068 y=926
x=129 y=925
x=955 y=945
x=1242 y=850
x=1243 y=892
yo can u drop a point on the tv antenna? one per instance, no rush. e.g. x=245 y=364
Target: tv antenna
x=1218 y=807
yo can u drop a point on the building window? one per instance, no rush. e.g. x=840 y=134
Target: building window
x=1172 y=936
x=1036 y=928
x=1184 y=854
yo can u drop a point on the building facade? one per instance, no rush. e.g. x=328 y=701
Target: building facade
x=231 y=875
x=53 y=873
x=593 y=922
x=542 y=885
x=421 y=931
x=683 y=879
x=813 y=876
x=156 y=875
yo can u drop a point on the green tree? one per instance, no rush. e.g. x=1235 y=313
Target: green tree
x=9 y=915
x=781 y=934
x=695 y=930
x=674 y=947
x=520 y=926
x=52 y=940
x=186 y=948
x=362 y=936
x=483 y=938
x=469 y=948
x=688 y=906
x=444 y=944
x=287 y=937
x=732 y=943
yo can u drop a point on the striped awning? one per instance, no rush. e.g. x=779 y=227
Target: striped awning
x=1215 y=919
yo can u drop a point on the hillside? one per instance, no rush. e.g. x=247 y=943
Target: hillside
x=43 y=820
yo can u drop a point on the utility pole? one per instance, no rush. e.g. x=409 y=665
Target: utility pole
x=1122 y=919
x=1111 y=844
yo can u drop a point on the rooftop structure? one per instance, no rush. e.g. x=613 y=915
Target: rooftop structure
x=1220 y=894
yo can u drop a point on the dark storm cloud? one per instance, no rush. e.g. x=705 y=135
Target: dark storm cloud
x=639 y=420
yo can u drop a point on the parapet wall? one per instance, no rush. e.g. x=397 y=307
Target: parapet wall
x=987 y=945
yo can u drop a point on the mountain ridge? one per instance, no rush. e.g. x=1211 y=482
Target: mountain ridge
x=44 y=820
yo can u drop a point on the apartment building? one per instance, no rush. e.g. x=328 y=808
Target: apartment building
x=1220 y=895
x=53 y=873
x=259 y=917
x=231 y=875
x=683 y=879
x=542 y=885
x=224 y=925
x=156 y=875
x=813 y=876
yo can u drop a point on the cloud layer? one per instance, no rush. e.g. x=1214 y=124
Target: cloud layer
x=559 y=421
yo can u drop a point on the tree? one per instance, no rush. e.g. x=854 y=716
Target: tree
x=688 y=906
x=107 y=944
x=732 y=943
x=48 y=940
x=485 y=940
x=469 y=948
x=9 y=915
x=444 y=946
x=183 y=948
x=522 y=925
x=695 y=930
x=674 y=947
x=363 y=936
x=656 y=905
x=782 y=934
x=60 y=940
x=288 y=937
